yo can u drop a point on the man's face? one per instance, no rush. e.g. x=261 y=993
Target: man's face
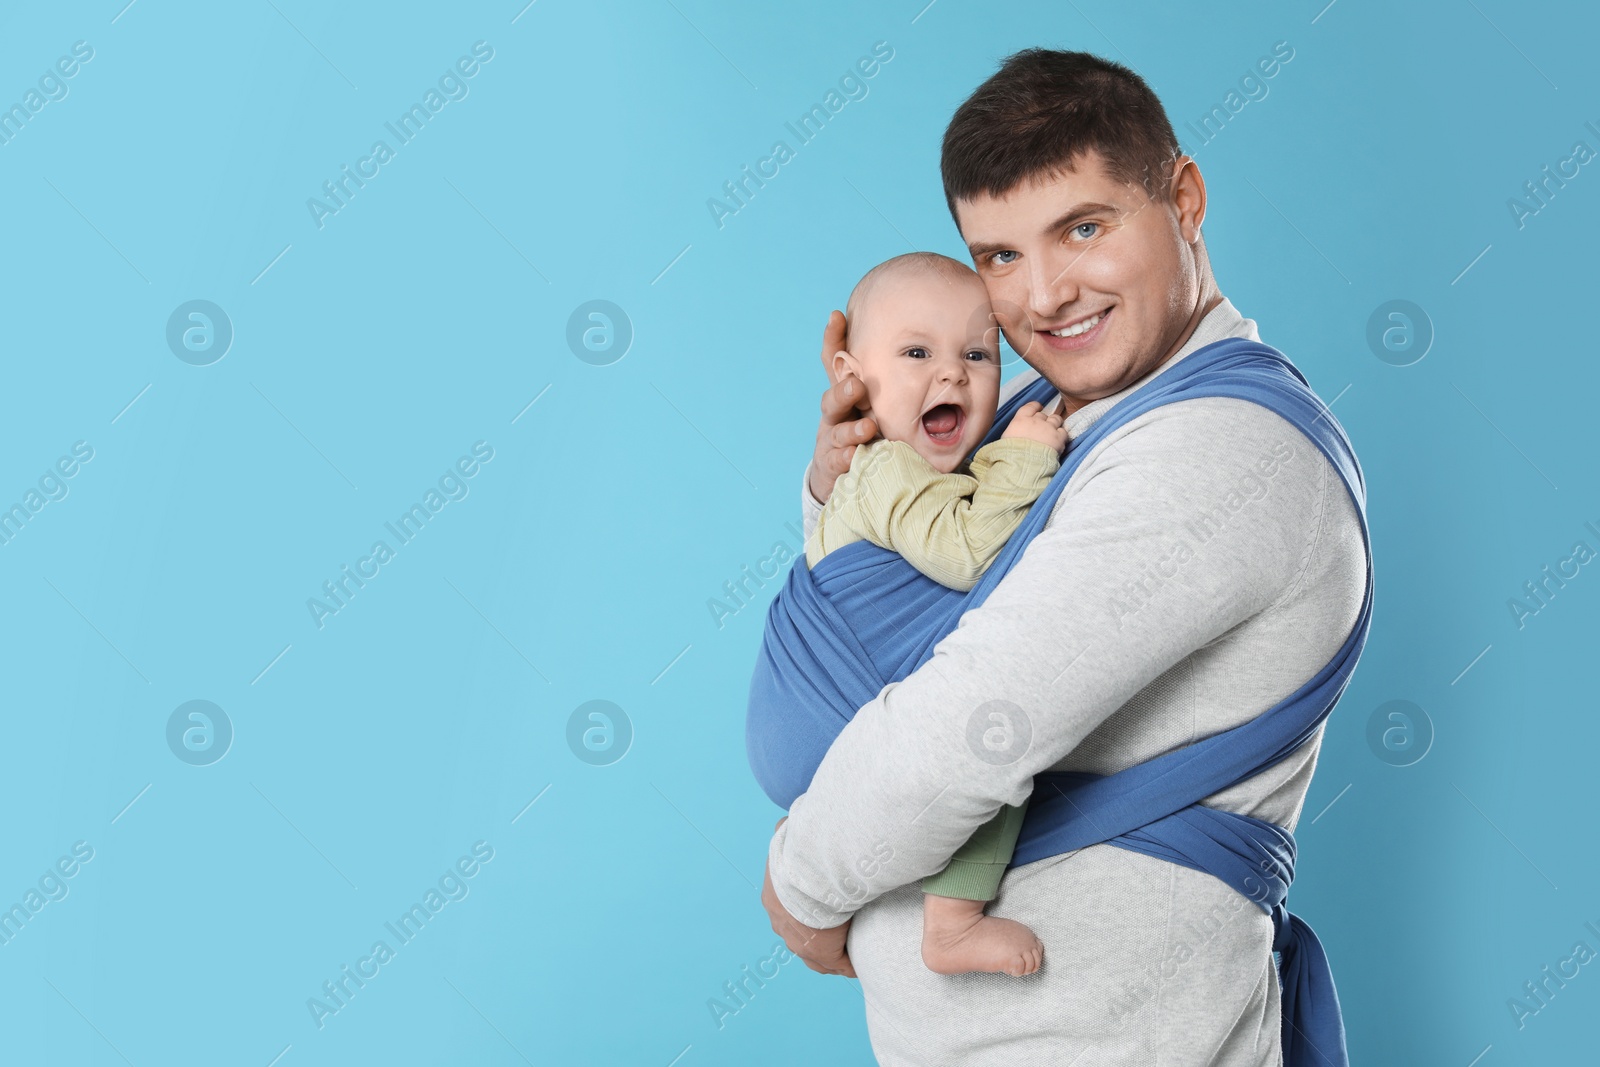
x=1094 y=283
x=930 y=366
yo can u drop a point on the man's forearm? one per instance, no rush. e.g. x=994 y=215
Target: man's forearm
x=834 y=867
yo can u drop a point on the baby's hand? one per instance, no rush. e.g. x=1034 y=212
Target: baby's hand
x=1036 y=424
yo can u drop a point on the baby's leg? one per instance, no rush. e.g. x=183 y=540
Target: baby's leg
x=956 y=935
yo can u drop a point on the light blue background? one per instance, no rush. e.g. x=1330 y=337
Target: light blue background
x=426 y=315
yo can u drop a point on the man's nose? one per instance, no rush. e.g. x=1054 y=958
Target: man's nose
x=1050 y=287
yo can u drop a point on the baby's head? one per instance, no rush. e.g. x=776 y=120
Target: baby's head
x=922 y=342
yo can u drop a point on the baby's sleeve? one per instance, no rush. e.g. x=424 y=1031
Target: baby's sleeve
x=949 y=526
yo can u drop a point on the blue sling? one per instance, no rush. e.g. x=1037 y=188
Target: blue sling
x=864 y=617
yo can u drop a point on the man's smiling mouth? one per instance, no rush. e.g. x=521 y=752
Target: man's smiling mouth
x=1081 y=326
x=1075 y=336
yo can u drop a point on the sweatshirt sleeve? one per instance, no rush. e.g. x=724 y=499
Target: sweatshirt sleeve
x=1179 y=527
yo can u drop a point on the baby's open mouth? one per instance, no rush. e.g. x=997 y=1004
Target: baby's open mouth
x=943 y=422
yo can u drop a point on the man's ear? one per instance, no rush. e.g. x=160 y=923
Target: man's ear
x=1188 y=196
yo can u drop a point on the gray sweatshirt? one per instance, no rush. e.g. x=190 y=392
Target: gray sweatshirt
x=1203 y=562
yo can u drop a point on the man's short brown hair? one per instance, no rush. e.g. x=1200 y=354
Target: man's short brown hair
x=1041 y=111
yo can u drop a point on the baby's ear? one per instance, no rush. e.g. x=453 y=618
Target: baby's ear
x=844 y=363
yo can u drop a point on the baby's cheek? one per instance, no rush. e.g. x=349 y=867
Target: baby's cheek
x=897 y=426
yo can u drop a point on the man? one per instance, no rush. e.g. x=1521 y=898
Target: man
x=1178 y=590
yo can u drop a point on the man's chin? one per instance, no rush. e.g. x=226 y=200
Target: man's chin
x=1084 y=375
x=1082 y=378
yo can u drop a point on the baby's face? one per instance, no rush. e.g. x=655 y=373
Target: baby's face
x=930 y=360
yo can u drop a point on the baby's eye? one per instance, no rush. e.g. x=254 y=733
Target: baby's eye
x=1082 y=226
x=977 y=353
x=997 y=261
x=917 y=352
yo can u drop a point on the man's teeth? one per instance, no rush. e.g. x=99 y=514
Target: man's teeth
x=1077 y=328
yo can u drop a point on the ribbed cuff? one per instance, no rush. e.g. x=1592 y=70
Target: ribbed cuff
x=966 y=880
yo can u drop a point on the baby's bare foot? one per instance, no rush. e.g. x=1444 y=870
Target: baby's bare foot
x=958 y=937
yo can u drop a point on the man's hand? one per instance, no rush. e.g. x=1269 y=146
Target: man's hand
x=821 y=950
x=1033 y=422
x=840 y=428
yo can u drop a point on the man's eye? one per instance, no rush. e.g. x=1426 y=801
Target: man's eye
x=995 y=257
x=917 y=352
x=1082 y=226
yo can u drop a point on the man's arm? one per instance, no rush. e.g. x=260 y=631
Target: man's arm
x=1174 y=534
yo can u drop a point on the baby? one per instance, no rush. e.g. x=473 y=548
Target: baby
x=922 y=345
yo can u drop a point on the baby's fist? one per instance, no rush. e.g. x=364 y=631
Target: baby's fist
x=1036 y=424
